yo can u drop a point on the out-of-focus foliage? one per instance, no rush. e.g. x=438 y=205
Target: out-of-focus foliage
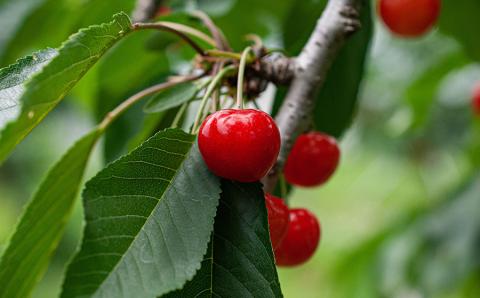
x=398 y=217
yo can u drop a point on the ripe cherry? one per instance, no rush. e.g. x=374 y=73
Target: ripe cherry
x=277 y=218
x=409 y=18
x=240 y=145
x=476 y=100
x=313 y=159
x=301 y=240
x=163 y=11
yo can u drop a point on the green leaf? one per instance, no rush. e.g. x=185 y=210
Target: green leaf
x=44 y=91
x=239 y=261
x=336 y=103
x=459 y=19
x=149 y=217
x=420 y=95
x=172 y=97
x=12 y=79
x=42 y=224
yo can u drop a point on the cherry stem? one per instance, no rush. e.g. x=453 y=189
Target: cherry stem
x=180 y=30
x=211 y=87
x=223 y=54
x=241 y=74
x=283 y=188
x=121 y=108
x=179 y=115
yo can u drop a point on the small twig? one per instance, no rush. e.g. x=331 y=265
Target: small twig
x=179 y=115
x=218 y=36
x=181 y=30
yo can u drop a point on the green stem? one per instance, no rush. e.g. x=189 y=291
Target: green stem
x=182 y=31
x=241 y=74
x=179 y=115
x=283 y=188
x=208 y=92
x=223 y=54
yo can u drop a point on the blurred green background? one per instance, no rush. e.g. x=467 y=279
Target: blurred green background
x=401 y=216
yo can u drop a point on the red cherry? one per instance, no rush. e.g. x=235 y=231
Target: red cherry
x=313 y=159
x=277 y=218
x=409 y=18
x=163 y=11
x=240 y=145
x=476 y=100
x=301 y=240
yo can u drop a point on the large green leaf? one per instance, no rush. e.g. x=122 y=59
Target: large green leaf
x=239 y=261
x=12 y=79
x=45 y=90
x=149 y=219
x=460 y=20
x=43 y=222
x=336 y=102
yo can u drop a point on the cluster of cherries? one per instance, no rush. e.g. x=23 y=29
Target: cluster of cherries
x=243 y=145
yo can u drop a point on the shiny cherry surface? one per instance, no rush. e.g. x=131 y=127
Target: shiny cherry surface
x=301 y=240
x=313 y=159
x=278 y=218
x=476 y=100
x=240 y=145
x=409 y=18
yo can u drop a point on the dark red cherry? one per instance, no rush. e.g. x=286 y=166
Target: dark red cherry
x=240 y=145
x=409 y=18
x=301 y=240
x=277 y=218
x=313 y=159
x=476 y=100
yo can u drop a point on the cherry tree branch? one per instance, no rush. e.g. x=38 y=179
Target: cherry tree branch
x=145 y=10
x=339 y=20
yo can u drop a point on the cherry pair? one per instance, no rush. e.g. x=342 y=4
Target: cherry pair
x=295 y=233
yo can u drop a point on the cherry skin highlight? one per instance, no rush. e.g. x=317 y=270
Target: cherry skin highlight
x=278 y=218
x=301 y=240
x=409 y=18
x=240 y=145
x=313 y=159
x=476 y=100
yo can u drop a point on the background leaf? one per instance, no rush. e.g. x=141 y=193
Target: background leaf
x=335 y=104
x=459 y=19
x=172 y=97
x=420 y=95
x=239 y=261
x=12 y=79
x=43 y=222
x=47 y=88
x=149 y=217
